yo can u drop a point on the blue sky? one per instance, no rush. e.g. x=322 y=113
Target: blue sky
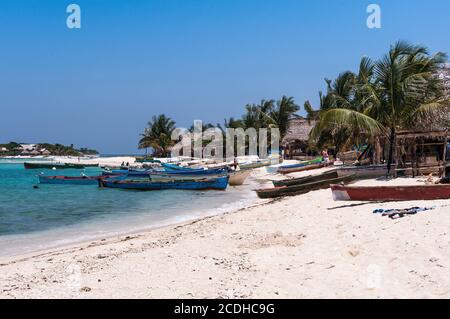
x=190 y=59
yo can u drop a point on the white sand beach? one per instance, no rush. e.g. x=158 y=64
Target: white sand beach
x=300 y=247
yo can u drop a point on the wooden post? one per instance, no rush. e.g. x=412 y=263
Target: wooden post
x=444 y=155
x=394 y=157
x=413 y=158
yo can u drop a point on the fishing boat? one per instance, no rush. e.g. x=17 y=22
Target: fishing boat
x=173 y=167
x=257 y=164
x=56 y=165
x=166 y=176
x=205 y=184
x=301 y=168
x=317 y=160
x=185 y=173
x=364 y=172
x=69 y=180
x=390 y=193
x=301 y=189
x=237 y=178
x=176 y=168
x=308 y=179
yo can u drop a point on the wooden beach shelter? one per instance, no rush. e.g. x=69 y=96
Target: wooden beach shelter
x=417 y=152
x=296 y=142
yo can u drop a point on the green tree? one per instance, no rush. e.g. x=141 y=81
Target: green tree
x=158 y=135
x=399 y=91
x=279 y=115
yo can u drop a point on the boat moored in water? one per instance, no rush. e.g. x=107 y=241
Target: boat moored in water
x=56 y=165
x=69 y=180
x=205 y=184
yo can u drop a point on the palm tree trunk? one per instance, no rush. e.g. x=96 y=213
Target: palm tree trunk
x=391 y=149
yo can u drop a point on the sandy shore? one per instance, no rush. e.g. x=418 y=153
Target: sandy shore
x=301 y=247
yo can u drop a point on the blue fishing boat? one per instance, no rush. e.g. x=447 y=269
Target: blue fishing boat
x=173 y=167
x=69 y=180
x=200 y=172
x=214 y=183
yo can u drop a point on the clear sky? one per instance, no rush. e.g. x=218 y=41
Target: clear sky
x=191 y=59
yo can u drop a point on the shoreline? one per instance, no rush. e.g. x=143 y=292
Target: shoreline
x=117 y=237
x=280 y=249
x=91 y=230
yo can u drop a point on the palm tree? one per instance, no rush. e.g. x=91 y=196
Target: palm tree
x=232 y=123
x=397 y=92
x=279 y=116
x=158 y=135
x=256 y=115
x=406 y=90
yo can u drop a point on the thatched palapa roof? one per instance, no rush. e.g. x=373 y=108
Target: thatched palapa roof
x=298 y=130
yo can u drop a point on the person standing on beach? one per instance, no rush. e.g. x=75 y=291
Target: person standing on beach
x=325 y=157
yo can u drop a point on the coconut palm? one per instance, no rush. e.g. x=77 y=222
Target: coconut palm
x=233 y=123
x=158 y=135
x=397 y=92
x=406 y=90
x=279 y=115
x=341 y=121
x=256 y=115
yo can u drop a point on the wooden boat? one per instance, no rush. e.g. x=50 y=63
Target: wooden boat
x=390 y=193
x=176 y=168
x=185 y=173
x=317 y=160
x=274 y=169
x=258 y=164
x=301 y=169
x=237 y=178
x=147 y=160
x=301 y=189
x=69 y=180
x=308 y=179
x=205 y=184
x=364 y=172
x=56 y=165
x=164 y=176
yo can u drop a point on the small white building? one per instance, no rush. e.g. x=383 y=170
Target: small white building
x=27 y=148
x=3 y=149
x=44 y=151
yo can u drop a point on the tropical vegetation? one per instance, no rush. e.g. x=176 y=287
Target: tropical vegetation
x=158 y=135
x=14 y=149
x=396 y=92
x=266 y=114
x=399 y=91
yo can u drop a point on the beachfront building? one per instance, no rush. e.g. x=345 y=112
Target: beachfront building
x=44 y=152
x=296 y=142
x=416 y=152
x=27 y=148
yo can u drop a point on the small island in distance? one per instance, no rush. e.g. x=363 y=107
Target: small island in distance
x=42 y=149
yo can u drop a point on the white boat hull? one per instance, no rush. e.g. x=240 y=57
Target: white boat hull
x=237 y=178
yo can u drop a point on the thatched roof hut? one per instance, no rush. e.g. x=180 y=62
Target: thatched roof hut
x=298 y=130
x=296 y=140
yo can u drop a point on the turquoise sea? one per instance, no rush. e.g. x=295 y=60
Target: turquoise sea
x=53 y=215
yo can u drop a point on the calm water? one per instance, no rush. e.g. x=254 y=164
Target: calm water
x=53 y=215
